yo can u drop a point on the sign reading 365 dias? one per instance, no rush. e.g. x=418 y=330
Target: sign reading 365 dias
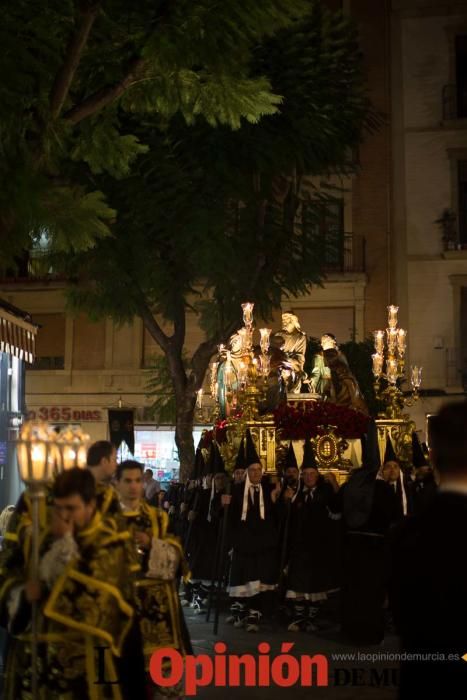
x=66 y=414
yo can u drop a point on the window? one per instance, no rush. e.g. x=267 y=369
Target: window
x=463 y=337
x=327 y=222
x=50 y=341
x=461 y=75
x=462 y=200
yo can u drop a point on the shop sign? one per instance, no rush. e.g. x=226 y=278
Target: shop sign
x=148 y=450
x=65 y=414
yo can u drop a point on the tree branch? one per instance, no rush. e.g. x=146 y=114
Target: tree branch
x=168 y=344
x=178 y=337
x=152 y=326
x=78 y=41
x=103 y=97
x=106 y=95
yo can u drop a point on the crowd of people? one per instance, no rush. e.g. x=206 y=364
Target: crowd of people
x=303 y=535
x=322 y=553
x=119 y=559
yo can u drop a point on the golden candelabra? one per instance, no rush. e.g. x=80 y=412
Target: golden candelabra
x=389 y=367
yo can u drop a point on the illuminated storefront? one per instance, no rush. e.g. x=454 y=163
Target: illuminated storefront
x=155 y=447
x=17 y=342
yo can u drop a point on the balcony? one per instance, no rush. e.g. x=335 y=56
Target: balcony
x=346 y=253
x=454 y=102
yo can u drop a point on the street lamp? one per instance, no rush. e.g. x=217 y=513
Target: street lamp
x=42 y=454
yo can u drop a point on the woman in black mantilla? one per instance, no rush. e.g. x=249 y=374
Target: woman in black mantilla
x=314 y=544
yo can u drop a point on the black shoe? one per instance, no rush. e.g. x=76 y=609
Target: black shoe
x=200 y=604
x=311 y=621
x=252 y=621
x=299 y=619
x=236 y=610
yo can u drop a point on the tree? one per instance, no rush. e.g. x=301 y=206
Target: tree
x=73 y=70
x=209 y=218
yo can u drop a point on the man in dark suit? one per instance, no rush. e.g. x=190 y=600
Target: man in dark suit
x=429 y=571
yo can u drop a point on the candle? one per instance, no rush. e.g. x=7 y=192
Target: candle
x=242 y=373
x=416 y=376
x=243 y=333
x=377 y=364
x=392 y=339
x=401 y=341
x=392 y=316
x=264 y=341
x=248 y=313
x=38 y=461
x=391 y=371
x=379 y=341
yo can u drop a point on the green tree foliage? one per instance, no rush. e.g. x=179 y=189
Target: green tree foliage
x=72 y=70
x=210 y=217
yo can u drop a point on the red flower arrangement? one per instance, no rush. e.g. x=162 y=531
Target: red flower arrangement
x=207 y=436
x=297 y=422
x=311 y=419
x=220 y=431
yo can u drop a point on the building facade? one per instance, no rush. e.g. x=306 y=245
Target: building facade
x=429 y=204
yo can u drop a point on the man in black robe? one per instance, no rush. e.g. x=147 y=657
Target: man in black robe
x=206 y=517
x=254 y=540
x=429 y=565
x=240 y=464
x=424 y=486
x=392 y=474
x=314 y=534
x=185 y=528
x=369 y=508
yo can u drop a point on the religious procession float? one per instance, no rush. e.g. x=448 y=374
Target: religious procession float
x=264 y=388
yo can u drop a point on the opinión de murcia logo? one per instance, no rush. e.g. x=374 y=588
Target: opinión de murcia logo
x=168 y=668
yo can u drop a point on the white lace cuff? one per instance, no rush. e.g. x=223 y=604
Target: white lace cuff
x=56 y=558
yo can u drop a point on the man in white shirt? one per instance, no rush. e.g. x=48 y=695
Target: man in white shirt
x=151 y=486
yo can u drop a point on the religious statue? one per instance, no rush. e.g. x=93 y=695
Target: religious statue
x=344 y=389
x=294 y=348
x=320 y=380
x=276 y=392
x=233 y=363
